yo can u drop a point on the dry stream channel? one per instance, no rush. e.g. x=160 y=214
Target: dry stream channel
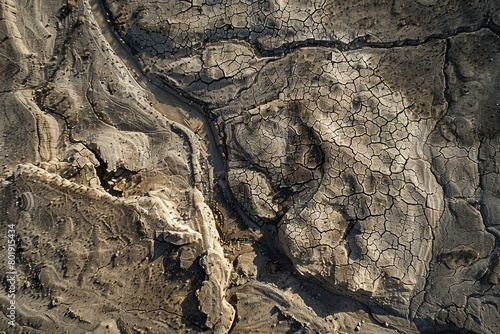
x=184 y=112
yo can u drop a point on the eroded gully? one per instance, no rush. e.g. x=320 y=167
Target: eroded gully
x=186 y=113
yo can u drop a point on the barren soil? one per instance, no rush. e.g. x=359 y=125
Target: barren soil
x=250 y=166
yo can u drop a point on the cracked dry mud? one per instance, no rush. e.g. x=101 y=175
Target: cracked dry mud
x=251 y=166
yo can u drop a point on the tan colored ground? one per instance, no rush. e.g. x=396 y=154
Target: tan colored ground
x=250 y=166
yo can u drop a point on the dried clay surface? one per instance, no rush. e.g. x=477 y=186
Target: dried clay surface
x=251 y=166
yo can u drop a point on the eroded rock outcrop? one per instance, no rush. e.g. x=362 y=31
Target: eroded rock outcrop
x=117 y=197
